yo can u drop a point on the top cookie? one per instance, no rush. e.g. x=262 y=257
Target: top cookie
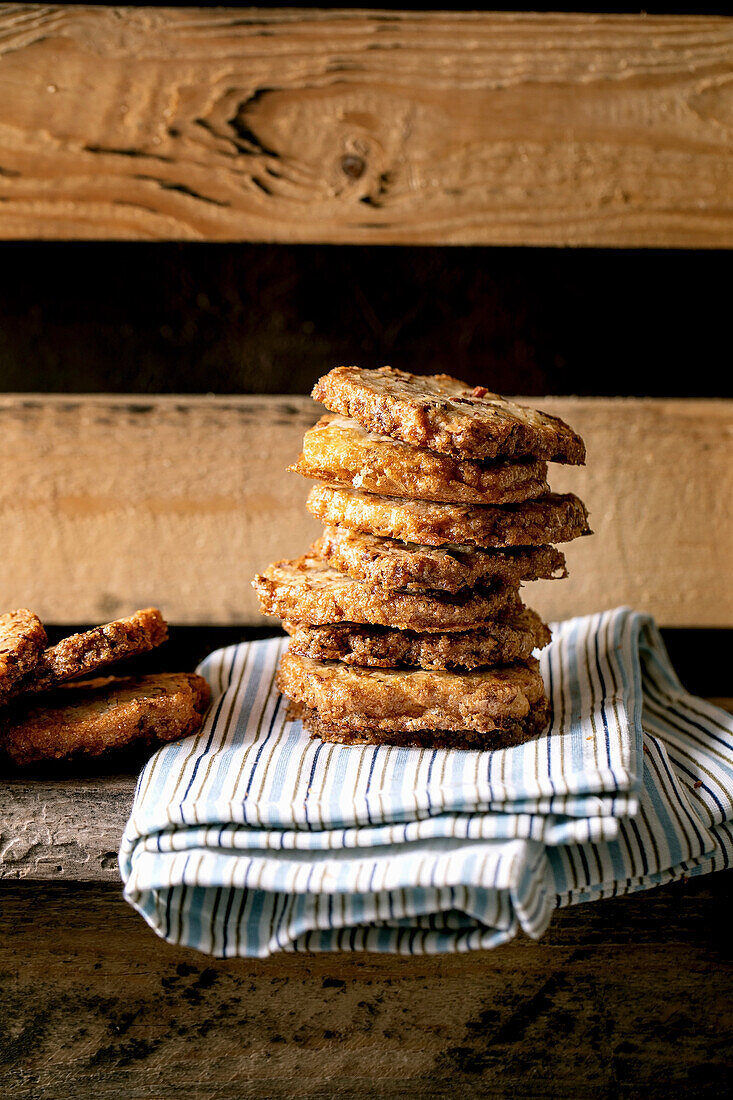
x=338 y=451
x=22 y=639
x=80 y=654
x=445 y=415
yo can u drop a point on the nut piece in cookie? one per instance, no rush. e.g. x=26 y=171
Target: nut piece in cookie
x=309 y=590
x=80 y=654
x=510 y=638
x=96 y=716
x=505 y=734
x=555 y=517
x=339 y=451
x=22 y=640
x=393 y=564
x=406 y=700
x=446 y=415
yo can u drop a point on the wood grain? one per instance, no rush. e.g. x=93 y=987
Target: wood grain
x=389 y=127
x=620 y=998
x=63 y=829
x=108 y=504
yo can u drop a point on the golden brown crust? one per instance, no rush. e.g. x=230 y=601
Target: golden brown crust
x=308 y=590
x=22 y=640
x=508 y=733
x=338 y=451
x=497 y=643
x=80 y=654
x=409 y=700
x=107 y=713
x=393 y=564
x=554 y=517
x=444 y=414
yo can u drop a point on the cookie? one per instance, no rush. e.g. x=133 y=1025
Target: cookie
x=507 y=639
x=95 y=716
x=22 y=640
x=80 y=654
x=338 y=451
x=308 y=590
x=405 y=701
x=555 y=517
x=444 y=414
x=506 y=733
x=393 y=564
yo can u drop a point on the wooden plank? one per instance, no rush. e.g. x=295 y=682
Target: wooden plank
x=357 y=126
x=620 y=998
x=70 y=828
x=63 y=829
x=112 y=503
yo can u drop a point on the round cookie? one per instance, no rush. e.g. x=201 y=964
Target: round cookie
x=99 y=715
x=309 y=590
x=408 y=565
x=407 y=700
x=503 y=736
x=446 y=415
x=555 y=517
x=499 y=642
x=80 y=654
x=339 y=451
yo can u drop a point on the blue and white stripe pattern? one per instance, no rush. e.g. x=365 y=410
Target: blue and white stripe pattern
x=252 y=837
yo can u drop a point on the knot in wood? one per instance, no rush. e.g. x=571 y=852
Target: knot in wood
x=353 y=166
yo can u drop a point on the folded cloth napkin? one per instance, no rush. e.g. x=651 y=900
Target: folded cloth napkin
x=252 y=837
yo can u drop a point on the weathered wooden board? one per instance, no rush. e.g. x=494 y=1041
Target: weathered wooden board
x=620 y=998
x=335 y=126
x=63 y=829
x=108 y=504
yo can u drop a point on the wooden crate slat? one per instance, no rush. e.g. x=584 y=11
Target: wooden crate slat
x=362 y=126
x=112 y=503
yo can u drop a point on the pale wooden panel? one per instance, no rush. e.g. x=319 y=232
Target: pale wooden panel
x=658 y=483
x=107 y=505
x=624 y=997
x=417 y=127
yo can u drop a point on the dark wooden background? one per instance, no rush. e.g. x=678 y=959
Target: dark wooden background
x=120 y=317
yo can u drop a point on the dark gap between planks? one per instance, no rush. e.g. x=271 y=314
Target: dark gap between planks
x=701 y=657
x=128 y=317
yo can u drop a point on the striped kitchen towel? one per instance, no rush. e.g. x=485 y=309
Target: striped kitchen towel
x=251 y=837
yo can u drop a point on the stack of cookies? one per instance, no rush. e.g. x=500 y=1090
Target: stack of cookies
x=405 y=617
x=53 y=708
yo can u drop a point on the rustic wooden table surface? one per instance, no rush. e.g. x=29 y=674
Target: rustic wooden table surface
x=621 y=998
